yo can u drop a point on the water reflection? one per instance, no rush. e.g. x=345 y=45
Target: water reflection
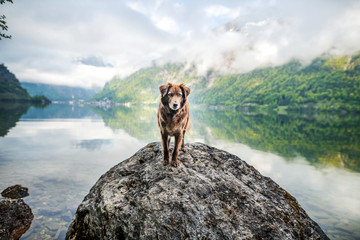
x=138 y=121
x=10 y=114
x=60 y=111
x=320 y=139
x=59 y=152
x=93 y=144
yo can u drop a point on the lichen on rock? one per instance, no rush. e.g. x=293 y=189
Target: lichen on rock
x=15 y=192
x=15 y=215
x=211 y=195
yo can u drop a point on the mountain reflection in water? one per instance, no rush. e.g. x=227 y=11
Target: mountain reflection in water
x=324 y=139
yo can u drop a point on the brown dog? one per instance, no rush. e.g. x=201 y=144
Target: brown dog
x=173 y=118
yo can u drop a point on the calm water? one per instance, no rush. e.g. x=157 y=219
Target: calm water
x=59 y=153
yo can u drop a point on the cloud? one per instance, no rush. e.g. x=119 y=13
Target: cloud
x=221 y=11
x=93 y=60
x=162 y=14
x=86 y=43
x=49 y=39
x=261 y=37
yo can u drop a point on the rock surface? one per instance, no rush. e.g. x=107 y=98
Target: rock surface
x=15 y=192
x=15 y=218
x=211 y=195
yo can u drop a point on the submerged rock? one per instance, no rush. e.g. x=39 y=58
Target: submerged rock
x=15 y=218
x=211 y=195
x=15 y=192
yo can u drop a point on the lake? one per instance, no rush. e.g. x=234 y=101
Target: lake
x=60 y=151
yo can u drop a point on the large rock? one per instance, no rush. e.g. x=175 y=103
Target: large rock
x=211 y=195
x=15 y=218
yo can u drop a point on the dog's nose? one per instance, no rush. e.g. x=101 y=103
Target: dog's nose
x=175 y=105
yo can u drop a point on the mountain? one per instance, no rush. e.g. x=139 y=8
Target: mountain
x=143 y=85
x=10 y=87
x=332 y=81
x=327 y=82
x=59 y=93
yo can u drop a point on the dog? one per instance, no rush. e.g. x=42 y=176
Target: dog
x=173 y=119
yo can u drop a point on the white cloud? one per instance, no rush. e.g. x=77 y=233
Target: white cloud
x=275 y=37
x=167 y=24
x=158 y=13
x=222 y=11
x=50 y=37
x=80 y=75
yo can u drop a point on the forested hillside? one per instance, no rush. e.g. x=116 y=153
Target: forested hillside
x=326 y=83
x=10 y=88
x=12 y=91
x=331 y=82
x=143 y=85
x=59 y=93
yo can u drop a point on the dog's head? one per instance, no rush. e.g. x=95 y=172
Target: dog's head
x=174 y=96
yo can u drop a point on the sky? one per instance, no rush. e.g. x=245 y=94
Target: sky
x=86 y=42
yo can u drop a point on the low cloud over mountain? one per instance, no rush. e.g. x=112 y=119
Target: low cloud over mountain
x=86 y=43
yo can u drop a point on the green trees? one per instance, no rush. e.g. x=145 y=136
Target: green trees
x=331 y=82
x=3 y=26
x=142 y=86
x=10 y=87
x=12 y=91
x=326 y=83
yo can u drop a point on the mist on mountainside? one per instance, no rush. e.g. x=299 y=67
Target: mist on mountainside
x=240 y=46
x=119 y=38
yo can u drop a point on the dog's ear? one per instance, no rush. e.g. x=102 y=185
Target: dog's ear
x=164 y=88
x=185 y=89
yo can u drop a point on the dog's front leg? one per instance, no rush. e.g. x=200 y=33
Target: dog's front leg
x=178 y=140
x=183 y=148
x=165 y=145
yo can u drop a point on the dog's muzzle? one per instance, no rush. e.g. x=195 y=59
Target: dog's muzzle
x=174 y=106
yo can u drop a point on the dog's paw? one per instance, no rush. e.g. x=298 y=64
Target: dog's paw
x=165 y=162
x=184 y=149
x=175 y=163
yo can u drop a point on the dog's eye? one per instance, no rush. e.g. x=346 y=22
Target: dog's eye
x=170 y=94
